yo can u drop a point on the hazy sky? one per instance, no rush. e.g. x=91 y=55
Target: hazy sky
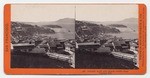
x=37 y=13
x=106 y=12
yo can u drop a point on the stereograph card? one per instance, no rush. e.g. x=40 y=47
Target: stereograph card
x=82 y=38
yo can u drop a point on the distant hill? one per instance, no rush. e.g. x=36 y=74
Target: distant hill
x=117 y=25
x=132 y=20
x=66 y=23
x=131 y=23
x=66 y=20
x=52 y=26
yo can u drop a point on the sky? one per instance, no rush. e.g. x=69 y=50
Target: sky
x=40 y=13
x=106 y=12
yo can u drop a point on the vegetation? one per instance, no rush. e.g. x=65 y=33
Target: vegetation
x=27 y=29
x=95 y=28
x=21 y=31
x=86 y=31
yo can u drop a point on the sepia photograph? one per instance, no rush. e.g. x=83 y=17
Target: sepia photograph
x=74 y=36
x=107 y=36
x=42 y=36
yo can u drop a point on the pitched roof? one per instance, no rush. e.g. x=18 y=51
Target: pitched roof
x=68 y=45
x=118 y=43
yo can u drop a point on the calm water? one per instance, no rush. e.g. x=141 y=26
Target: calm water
x=62 y=33
x=126 y=35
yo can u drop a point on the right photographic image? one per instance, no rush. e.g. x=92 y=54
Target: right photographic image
x=106 y=36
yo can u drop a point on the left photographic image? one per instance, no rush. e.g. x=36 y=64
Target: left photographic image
x=42 y=36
